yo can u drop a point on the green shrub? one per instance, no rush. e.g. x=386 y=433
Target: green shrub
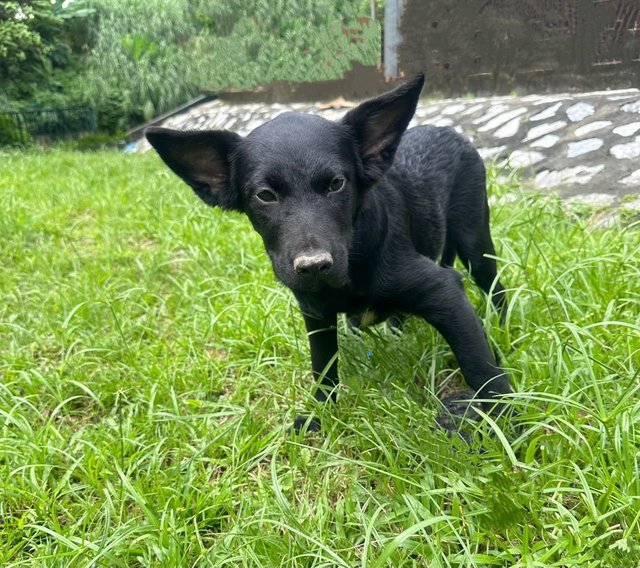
x=111 y=111
x=156 y=60
x=96 y=141
x=133 y=61
x=10 y=132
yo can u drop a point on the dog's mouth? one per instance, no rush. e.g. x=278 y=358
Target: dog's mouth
x=318 y=284
x=301 y=278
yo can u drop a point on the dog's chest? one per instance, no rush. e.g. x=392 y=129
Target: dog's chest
x=363 y=314
x=365 y=310
x=368 y=318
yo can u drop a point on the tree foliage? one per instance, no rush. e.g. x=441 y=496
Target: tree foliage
x=134 y=59
x=21 y=43
x=41 y=46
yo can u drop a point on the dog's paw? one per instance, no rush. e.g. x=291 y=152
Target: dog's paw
x=458 y=410
x=460 y=413
x=305 y=423
x=462 y=404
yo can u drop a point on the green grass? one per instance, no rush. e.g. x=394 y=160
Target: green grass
x=150 y=366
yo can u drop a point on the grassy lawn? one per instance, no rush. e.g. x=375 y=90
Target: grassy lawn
x=150 y=366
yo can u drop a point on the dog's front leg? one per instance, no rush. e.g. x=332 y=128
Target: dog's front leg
x=437 y=295
x=323 y=341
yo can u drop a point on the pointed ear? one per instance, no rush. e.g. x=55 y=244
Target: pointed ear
x=378 y=125
x=202 y=159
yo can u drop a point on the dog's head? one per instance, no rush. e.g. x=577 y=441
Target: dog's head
x=299 y=178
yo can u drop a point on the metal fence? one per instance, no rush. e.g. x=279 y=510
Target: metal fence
x=46 y=125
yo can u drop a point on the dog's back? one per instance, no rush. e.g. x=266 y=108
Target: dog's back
x=441 y=178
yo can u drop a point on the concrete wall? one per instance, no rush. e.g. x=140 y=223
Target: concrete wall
x=502 y=46
x=360 y=82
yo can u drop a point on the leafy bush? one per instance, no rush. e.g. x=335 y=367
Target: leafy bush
x=38 y=35
x=96 y=141
x=157 y=59
x=41 y=48
x=10 y=131
x=134 y=60
x=111 y=113
x=21 y=43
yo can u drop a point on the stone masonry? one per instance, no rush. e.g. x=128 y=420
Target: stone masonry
x=583 y=146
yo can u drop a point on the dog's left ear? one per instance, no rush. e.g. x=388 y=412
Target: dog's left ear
x=202 y=159
x=378 y=124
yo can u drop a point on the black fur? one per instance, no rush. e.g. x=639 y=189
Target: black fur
x=359 y=217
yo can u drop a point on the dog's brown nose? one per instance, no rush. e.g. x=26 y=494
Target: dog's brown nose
x=316 y=262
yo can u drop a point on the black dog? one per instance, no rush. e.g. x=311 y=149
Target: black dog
x=354 y=216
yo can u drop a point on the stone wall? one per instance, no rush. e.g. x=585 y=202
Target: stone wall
x=502 y=46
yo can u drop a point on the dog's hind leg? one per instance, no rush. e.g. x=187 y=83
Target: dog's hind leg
x=469 y=230
x=449 y=252
x=476 y=253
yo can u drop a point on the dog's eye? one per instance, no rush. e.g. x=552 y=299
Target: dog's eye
x=337 y=183
x=266 y=196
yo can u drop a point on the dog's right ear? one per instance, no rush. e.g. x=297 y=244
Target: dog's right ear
x=378 y=125
x=202 y=159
